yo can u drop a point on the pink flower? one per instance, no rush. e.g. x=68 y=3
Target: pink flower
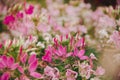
x=23 y=57
x=99 y=71
x=47 y=57
x=29 y=10
x=8 y=19
x=7 y=62
x=23 y=77
x=91 y=58
x=80 y=54
x=52 y=72
x=19 y=15
x=5 y=76
x=85 y=70
x=48 y=54
x=115 y=38
x=62 y=52
x=71 y=75
x=33 y=64
x=81 y=43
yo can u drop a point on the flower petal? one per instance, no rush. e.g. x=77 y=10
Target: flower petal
x=83 y=57
x=4 y=60
x=14 y=66
x=36 y=75
x=5 y=76
x=33 y=66
x=23 y=58
x=81 y=53
x=20 y=69
x=32 y=58
x=10 y=61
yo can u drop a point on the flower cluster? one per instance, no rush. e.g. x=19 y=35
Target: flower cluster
x=53 y=42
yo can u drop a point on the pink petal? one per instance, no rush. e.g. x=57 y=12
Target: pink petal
x=33 y=66
x=32 y=58
x=100 y=71
x=75 y=52
x=29 y=10
x=14 y=66
x=36 y=75
x=91 y=62
x=4 y=60
x=81 y=53
x=8 y=19
x=20 y=69
x=69 y=54
x=5 y=76
x=20 y=50
x=83 y=57
x=10 y=61
x=23 y=58
x=92 y=56
x=1 y=65
x=47 y=57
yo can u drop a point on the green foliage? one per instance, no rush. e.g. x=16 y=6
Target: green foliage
x=90 y=50
x=41 y=2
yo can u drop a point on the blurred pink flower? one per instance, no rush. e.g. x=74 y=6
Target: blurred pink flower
x=80 y=43
x=99 y=71
x=5 y=76
x=62 y=52
x=23 y=57
x=80 y=54
x=85 y=70
x=91 y=58
x=29 y=10
x=51 y=72
x=19 y=15
x=71 y=75
x=8 y=19
x=115 y=38
x=33 y=64
x=7 y=62
x=47 y=57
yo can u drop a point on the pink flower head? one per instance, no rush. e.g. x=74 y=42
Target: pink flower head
x=61 y=51
x=23 y=57
x=51 y=72
x=5 y=76
x=115 y=38
x=9 y=19
x=99 y=71
x=29 y=10
x=19 y=15
x=23 y=77
x=92 y=57
x=7 y=62
x=71 y=75
x=33 y=64
x=86 y=70
x=47 y=57
x=80 y=54
x=81 y=43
